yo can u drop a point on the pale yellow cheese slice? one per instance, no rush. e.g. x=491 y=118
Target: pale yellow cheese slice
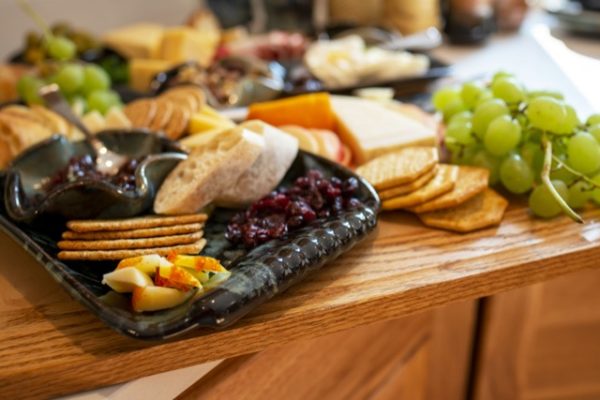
x=371 y=129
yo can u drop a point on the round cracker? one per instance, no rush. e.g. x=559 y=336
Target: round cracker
x=177 y=126
x=164 y=113
x=141 y=112
x=183 y=99
x=194 y=91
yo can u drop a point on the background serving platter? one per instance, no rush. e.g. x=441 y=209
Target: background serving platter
x=256 y=276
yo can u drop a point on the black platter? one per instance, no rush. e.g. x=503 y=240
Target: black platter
x=256 y=276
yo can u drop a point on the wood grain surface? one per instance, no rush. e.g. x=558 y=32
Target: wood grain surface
x=550 y=350
x=51 y=345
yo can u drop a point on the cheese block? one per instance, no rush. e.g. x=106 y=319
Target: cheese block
x=182 y=44
x=142 y=71
x=136 y=41
x=201 y=122
x=371 y=129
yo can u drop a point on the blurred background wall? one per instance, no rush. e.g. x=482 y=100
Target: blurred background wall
x=95 y=15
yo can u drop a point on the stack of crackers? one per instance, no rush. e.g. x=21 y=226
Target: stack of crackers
x=169 y=113
x=22 y=127
x=444 y=196
x=119 y=239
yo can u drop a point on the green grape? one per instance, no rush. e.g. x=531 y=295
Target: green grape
x=485 y=160
x=503 y=135
x=501 y=75
x=546 y=113
x=464 y=116
x=28 y=88
x=570 y=123
x=462 y=155
x=548 y=93
x=533 y=155
x=583 y=153
x=454 y=107
x=594 y=130
x=483 y=97
x=596 y=192
x=543 y=204
x=593 y=119
x=60 y=48
x=579 y=194
x=69 y=78
x=508 y=89
x=100 y=100
x=443 y=97
x=562 y=174
x=460 y=132
x=470 y=93
x=94 y=78
x=515 y=174
x=486 y=113
x=522 y=120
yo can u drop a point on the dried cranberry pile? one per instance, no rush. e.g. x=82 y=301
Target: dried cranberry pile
x=84 y=168
x=311 y=197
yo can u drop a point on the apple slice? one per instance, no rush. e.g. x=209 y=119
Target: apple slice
x=346 y=158
x=306 y=141
x=154 y=298
x=125 y=280
x=147 y=264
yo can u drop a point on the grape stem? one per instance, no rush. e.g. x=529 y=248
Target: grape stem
x=548 y=183
x=37 y=18
x=580 y=176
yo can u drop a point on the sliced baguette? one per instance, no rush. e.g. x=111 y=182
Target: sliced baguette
x=267 y=171
x=208 y=171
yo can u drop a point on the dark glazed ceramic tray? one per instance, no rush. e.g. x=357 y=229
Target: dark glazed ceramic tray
x=256 y=276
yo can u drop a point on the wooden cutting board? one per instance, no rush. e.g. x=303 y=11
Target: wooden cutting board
x=50 y=345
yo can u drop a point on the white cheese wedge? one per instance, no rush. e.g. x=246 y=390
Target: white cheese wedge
x=371 y=129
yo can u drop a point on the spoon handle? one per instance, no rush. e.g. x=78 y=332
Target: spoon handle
x=55 y=101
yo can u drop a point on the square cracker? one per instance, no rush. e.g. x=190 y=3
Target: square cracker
x=399 y=167
x=471 y=181
x=104 y=255
x=152 y=221
x=125 y=244
x=134 y=233
x=485 y=209
x=443 y=182
x=408 y=187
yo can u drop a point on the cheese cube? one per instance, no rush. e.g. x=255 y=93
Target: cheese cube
x=142 y=72
x=371 y=129
x=136 y=41
x=182 y=44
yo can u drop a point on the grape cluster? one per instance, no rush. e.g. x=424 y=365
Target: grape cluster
x=86 y=86
x=286 y=209
x=531 y=141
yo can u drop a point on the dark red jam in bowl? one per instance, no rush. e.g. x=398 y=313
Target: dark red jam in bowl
x=310 y=197
x=83 y=168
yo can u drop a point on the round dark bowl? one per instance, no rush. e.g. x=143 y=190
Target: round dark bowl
x=25 y=199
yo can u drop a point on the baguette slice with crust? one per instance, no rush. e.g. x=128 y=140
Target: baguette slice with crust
x=208 y=171
x=267 y=171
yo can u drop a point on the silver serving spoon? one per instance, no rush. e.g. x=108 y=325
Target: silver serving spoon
x=107 y=162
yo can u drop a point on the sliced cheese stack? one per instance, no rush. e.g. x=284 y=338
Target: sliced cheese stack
x=444 y=196
x=372 y=129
